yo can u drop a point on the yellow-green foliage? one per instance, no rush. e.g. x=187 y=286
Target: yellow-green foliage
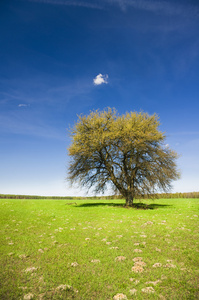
x=126 y=151
x=106 y=128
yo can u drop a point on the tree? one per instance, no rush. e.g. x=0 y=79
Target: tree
x=126 y=151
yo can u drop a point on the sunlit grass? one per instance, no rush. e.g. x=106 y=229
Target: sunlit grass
x=51 y=250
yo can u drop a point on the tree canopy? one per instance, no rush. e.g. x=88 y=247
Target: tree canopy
x=127 y=152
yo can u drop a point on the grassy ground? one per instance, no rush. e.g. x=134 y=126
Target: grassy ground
x=54 y=250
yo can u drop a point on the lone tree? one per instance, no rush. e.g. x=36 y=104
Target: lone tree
x=126 y=151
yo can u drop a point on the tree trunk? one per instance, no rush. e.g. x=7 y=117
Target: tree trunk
x=129 y=200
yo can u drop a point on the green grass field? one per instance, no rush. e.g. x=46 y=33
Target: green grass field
x=97 y=249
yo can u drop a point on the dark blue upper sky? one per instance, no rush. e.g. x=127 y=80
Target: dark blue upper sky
x=51 y=51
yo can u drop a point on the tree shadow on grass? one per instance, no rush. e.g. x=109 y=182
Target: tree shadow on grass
x=121 y=205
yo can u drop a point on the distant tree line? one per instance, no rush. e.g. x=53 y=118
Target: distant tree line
x=6 y=196
x=174 y=195
x=154 y=196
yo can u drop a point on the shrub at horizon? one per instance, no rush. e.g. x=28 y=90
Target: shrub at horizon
x=124 y=151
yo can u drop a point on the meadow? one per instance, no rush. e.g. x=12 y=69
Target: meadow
x=97 y=249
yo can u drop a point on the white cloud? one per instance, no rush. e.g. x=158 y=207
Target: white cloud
x=99 y=79
x=87 y=4
x=22 y=105
x=154 y=6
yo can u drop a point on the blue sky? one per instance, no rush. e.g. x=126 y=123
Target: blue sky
x=61 y=58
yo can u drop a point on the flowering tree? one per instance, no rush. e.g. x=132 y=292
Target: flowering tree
x=126 y=151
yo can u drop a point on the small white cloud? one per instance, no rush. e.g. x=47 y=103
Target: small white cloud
x=99 y=79
x=22 y=105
